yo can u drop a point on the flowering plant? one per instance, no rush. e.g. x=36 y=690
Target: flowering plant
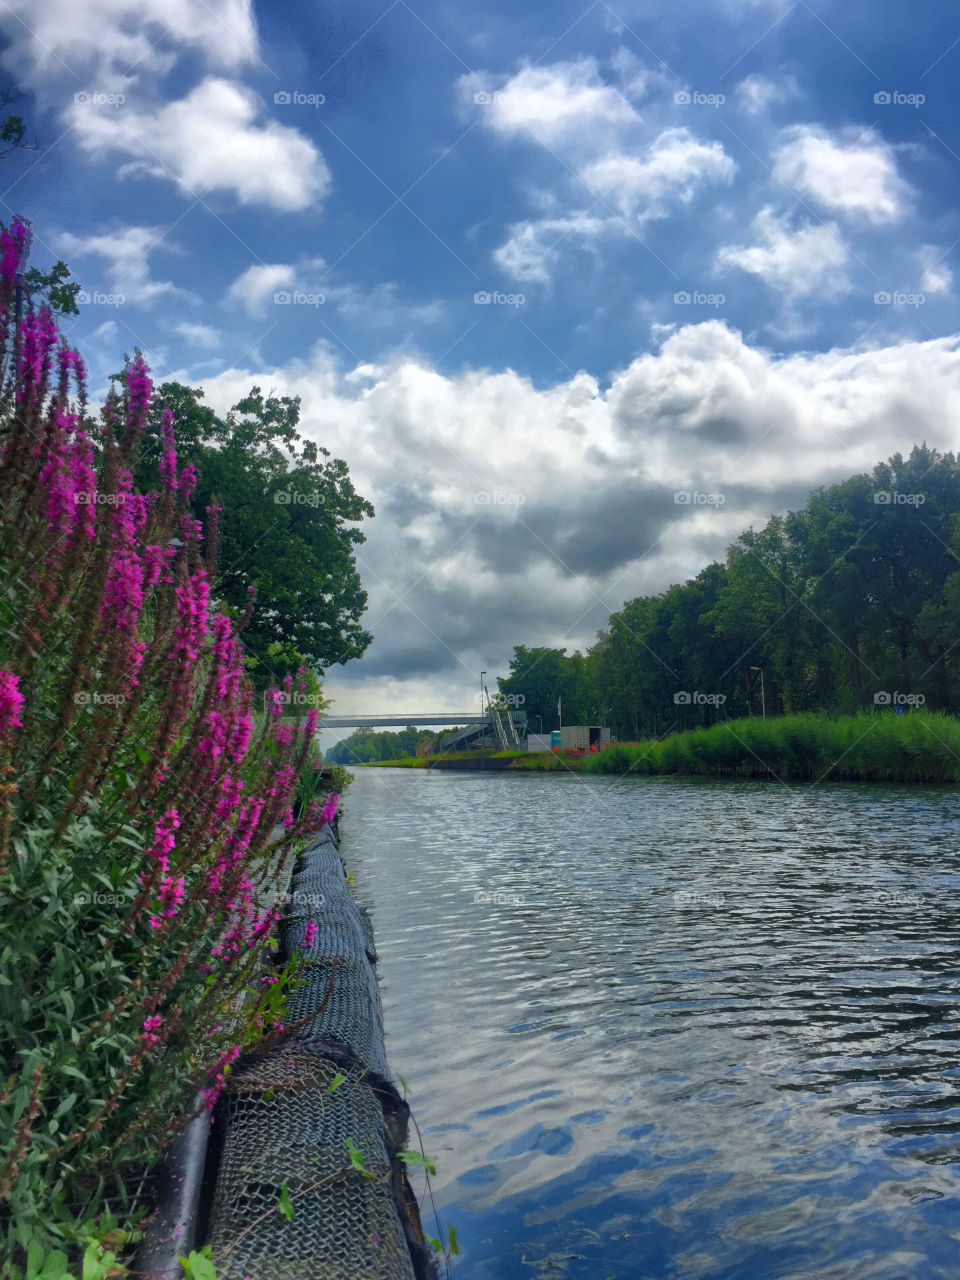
x=146 y=819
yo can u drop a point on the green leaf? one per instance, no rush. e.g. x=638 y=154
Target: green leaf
x=55 y=1267
x=454 y=1242
x=356 y=1158
x=336 y=1082
x=199 y=1266
x=284 y=1204
x=403 y=1083
x=421 y=1161
x=432 y=1240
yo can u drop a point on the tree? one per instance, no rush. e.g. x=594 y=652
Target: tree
x=285 y=527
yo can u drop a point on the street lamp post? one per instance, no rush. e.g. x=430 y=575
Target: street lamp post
x=763 y=700
x=482 y=674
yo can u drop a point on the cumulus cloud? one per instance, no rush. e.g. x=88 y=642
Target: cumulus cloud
x=853 y=174
x=563 y=102
x=936 y=276
x=620 y=172
x=670 y=170
x=214 y=139
x=540 y=510
x=797 y=262
x=117 y=41
x=757 y=93
x=125 y=253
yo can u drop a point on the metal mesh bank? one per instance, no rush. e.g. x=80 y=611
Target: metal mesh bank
x=284 y=1125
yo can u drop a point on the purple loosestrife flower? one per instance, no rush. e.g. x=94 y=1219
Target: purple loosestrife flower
x=11 y=702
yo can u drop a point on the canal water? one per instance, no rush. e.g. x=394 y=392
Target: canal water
x=673 y=1028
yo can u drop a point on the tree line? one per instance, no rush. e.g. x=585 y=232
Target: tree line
x=851 y=602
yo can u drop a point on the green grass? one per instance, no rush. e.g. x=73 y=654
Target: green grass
x=868 y=747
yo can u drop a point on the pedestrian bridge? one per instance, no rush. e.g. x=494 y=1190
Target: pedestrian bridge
x=399 y=720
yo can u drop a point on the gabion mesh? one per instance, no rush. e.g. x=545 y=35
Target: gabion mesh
x=283 y=1127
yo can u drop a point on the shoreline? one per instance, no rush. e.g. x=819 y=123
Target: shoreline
x=920 y=748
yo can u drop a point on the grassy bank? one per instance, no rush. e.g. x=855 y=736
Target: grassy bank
x=875 y=746
x=868 y=747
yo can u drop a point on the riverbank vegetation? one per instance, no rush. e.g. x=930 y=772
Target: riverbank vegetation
x=851 y=602
x=148 y=801
x=871 y=746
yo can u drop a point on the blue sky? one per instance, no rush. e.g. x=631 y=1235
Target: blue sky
x=720 y=242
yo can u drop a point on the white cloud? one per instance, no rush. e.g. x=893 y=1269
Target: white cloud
x=670 y=170
x=117 y=41
x=199 y=335
x=532 y=250
x=125 y=252
x=936 y=275
x=213 y=139
x=809 y=260
x=563 y=102
x=256 y=286
x=706 y=411
x=854 y=175
x=758 y=93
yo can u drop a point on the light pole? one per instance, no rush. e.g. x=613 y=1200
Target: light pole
x=482 y=674
x=763 y=700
